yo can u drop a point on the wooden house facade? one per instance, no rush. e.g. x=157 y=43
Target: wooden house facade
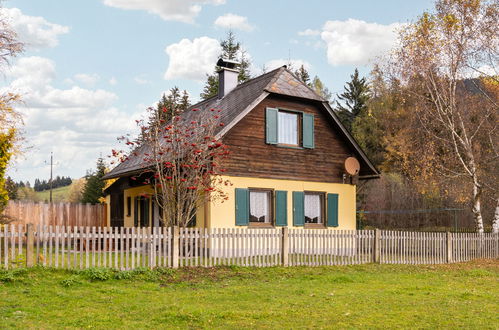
x=286 y=166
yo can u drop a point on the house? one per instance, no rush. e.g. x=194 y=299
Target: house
x=287 y=162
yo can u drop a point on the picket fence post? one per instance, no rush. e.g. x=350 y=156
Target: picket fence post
x=285 y=246
x=449 y=247
x=30 y=242
x=377 y=246
x=175 y=246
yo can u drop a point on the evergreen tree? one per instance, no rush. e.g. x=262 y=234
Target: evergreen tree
x=168 y=106
x=232 y=50
x=303 y=75
x=353 y=100
x=320 y=89
x=94 y=186
x=11 y=188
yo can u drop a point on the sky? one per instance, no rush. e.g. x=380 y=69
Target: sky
x=91 y=67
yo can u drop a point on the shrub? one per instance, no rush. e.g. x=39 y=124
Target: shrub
x=98 y=274
x=70 y=281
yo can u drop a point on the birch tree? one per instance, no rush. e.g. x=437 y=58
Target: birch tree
x=445 y=60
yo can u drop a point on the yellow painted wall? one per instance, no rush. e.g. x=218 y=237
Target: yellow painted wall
x=139 y=191
x=108 y=210
x=222 y=215
x=135 y=192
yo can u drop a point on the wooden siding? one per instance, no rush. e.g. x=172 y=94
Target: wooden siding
x=251 y=156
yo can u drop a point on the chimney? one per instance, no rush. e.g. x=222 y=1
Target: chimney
x=227 y=76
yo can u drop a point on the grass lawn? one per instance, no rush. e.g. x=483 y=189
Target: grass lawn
x=58 y=194
x=374 y=296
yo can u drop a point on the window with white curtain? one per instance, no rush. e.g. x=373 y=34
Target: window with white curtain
x=260 y=210
x=314 y=208
x=288 y=128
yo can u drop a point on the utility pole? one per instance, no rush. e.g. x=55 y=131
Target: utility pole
x=50 y=181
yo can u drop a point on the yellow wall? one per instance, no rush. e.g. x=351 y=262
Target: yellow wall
x=139 y=191
x=108 y=210
x=222 y=215
x=135 y=192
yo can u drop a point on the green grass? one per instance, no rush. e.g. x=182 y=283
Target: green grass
x=372 y=296
x=58 y=194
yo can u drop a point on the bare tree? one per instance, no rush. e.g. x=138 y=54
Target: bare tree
x=182 y=161
x=444 y=59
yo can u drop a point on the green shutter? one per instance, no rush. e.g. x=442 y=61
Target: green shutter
x=332 y=210
x=242 y=207
x=271 y=125
x=281 y=208
x=298 y=208
x=308 y=131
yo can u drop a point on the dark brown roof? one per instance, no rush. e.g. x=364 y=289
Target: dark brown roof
x=236 y=104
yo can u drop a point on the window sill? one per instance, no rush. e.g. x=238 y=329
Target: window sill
x=260 y=225
x=314 y=226
x=289 y=146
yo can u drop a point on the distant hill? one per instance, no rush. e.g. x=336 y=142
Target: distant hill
x=58 y=194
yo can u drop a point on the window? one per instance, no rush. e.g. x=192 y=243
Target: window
x=314 y=209
x=288 y=128
x=128 y=206
x=260 y=207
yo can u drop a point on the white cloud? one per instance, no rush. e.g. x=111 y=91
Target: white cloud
x=87 y=79
x=113 y=81
x=141 y=80
x=169 y=10
x=355 y=42
x=309 y=32
x=76 y=123
x=192 y=59
x=295 y=64
x=34 y=31
x=232 y=21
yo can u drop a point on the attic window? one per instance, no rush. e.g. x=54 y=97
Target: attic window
x=289 y=128
x=288 y=124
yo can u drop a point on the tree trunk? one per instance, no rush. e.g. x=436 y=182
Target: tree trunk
x=477 y=212
x=495 y=221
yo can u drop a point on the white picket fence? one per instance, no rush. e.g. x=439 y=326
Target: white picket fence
x=129 y=248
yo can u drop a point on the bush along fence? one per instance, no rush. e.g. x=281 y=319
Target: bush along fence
x=129 y=248
x=56 y=214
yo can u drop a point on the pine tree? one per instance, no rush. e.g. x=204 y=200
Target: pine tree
x=173 y=104
x=95 y=185
x=168 y=106
x=316 y=84
x=11 y=188
x=232 y=50
x=303 y=75
x=354 y=100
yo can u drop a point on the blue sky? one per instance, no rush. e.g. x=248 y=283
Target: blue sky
x=92 y=66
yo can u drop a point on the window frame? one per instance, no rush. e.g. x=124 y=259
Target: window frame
x=271 y=201
x=299 y=128
x=323 y=212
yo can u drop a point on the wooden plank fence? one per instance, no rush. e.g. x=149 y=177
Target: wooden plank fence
x=56 y=214
x=130 y=248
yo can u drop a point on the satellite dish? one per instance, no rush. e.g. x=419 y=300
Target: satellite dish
x=352 y=166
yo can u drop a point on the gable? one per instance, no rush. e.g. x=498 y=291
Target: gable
x=237 y=104
x=252 y=156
